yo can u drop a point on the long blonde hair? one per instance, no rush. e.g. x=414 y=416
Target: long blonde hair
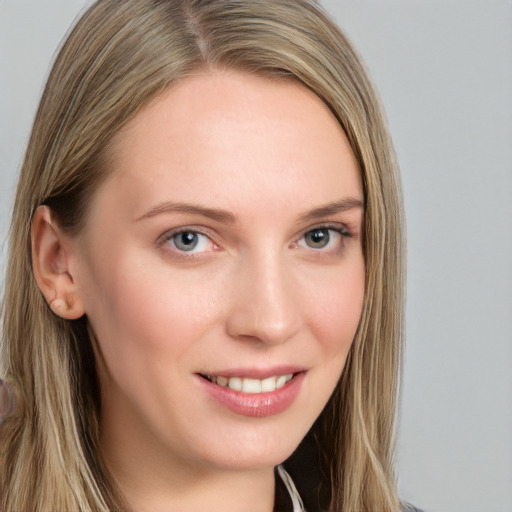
x=121 y=55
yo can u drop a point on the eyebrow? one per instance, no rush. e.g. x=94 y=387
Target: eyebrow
x=169 y=206
x=333 y=208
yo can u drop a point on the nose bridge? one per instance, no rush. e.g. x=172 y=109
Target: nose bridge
x=265 y=303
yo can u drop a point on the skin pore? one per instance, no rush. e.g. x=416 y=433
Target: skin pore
x=225 y=242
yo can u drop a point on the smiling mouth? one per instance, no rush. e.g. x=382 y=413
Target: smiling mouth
x=252 y=386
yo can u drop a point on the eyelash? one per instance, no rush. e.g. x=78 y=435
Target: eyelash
x=168 y=239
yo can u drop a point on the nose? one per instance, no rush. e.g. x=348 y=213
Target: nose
x=264 y=302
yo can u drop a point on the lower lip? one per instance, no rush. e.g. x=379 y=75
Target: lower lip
x=255 y=404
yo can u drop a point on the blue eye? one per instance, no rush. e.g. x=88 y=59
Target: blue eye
x=189 y=241
x=323 y=238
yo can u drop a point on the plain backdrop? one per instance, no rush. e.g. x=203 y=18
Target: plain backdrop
x=444 y=72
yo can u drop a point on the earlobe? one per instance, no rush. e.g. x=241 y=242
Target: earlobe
x=50 y=264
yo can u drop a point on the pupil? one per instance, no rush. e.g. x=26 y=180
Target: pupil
x=318 y=238
x=186 y=241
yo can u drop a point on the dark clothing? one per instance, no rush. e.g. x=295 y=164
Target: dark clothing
x=284 y=500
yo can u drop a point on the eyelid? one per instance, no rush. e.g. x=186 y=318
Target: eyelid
x=182 y=229
x=340 y=227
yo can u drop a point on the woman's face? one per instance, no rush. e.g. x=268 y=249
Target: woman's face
x=222 y=273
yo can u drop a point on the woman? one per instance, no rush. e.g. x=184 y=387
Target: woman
x=203 y=301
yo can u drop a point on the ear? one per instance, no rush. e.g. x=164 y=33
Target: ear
x=50 y=264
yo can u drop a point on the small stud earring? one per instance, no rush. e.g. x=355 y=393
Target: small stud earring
x=59 y=305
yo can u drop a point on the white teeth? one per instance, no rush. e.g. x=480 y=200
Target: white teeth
x=252 y=385
x=282 y=380
x=268 y=384
x=235 y=383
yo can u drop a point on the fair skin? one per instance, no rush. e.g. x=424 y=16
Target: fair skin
x=225 y=242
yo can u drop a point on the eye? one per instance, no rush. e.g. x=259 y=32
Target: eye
x=323 y=238
x=318 y=238
x=189 y=241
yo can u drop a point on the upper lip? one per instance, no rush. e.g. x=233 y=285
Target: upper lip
x=255 y=373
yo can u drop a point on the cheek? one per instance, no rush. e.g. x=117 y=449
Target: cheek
x=140 y=310
x=334 y=309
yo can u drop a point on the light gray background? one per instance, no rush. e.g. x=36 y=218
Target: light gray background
x=444 y=72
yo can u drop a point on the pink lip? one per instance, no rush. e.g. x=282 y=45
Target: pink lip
x=257 y=404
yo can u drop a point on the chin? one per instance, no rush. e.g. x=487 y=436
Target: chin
x=249 y=448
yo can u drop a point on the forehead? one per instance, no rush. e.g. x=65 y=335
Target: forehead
x=225 y=136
